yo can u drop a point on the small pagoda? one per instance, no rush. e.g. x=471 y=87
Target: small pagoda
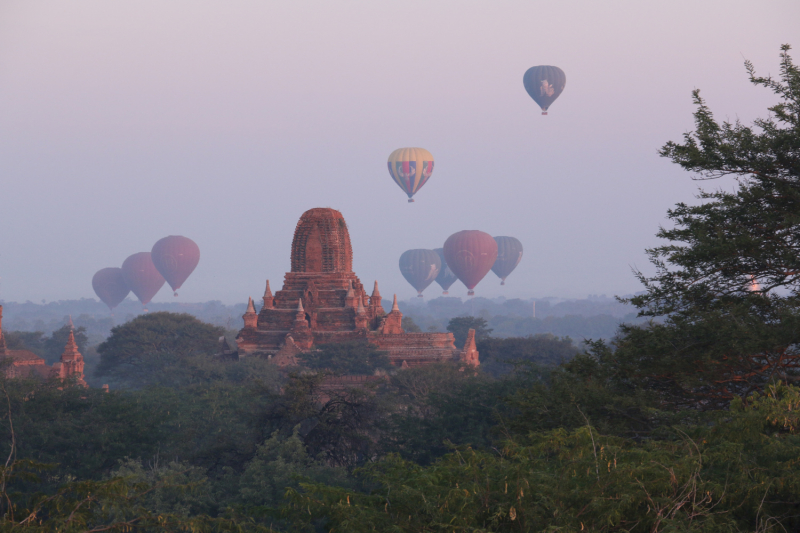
x=323 y=301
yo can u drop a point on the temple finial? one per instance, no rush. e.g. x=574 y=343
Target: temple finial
x=250 y=307
x=394 y=304
x=360 y=310
x=267 y=291
x=71 y=325
x=300 y=306
x=375 y=291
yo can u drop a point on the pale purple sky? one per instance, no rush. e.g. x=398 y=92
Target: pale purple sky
x=123 y=122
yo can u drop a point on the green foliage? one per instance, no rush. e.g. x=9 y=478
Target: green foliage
x=438 y=406
x=281 y=463
x=736 y=475
x=497 y=354
x=348 y=358
x=726 y=282
x=48 y=348
x=150 y=347
x=409 y=326
x=25 y=340
x=460 y=326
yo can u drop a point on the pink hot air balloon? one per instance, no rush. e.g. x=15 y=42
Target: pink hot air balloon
x=109 y=285
x=470 y=254
x=175 y=257
x=142 y=277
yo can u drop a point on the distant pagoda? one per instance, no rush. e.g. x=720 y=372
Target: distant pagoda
x=322 y=301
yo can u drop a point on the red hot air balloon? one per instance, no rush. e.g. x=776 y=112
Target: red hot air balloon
x=142 y=277
x=175 y=257
x=509 y=254
x=109 y=285
x=420 y=268
x=470 y=254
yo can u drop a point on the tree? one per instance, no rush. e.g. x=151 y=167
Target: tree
x=460 y=326
x=544 y=349
x=727 y=281
x=142 y=350
x=409 y=326
x=733 y=473
x=348 y=358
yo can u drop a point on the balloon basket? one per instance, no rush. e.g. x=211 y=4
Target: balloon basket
x=503 y=282
x=419 y=295
x=175 y=294
x=411 y=200
x=544 y=112
x=471 y=293
x=445 y=292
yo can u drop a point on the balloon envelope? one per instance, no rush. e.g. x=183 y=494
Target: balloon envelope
x=109 y=285
x=446 y=276
x=175 y=257
x=470 y=254
x=544 y=84
x=509 y=254
x=420 y=268
x=410 y=168
x=142 y=277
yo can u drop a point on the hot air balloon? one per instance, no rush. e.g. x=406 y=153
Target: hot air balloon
x=142 y=276
x=175 y=257
x=420 y=268
x=509 y=254
x=410 y=168
x=544 y=83
x=470 y=254
x=109 y=285
x=446 y=276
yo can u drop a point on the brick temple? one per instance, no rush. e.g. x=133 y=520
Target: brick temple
x=323 y=301
x=26 y=364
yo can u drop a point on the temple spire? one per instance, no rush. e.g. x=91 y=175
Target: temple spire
x=394 y=304
x=360 y=310
x=267 y=291
x=250 y=317
x=375 y=291
x=300 y=306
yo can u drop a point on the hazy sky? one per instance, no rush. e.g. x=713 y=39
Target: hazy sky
x=123 y=122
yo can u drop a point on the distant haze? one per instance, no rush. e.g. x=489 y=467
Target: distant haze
x=124 y=122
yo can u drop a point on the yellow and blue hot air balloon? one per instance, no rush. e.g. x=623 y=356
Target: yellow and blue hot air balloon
x=410 y=168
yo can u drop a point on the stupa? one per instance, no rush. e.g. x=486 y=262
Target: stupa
x=323 y=301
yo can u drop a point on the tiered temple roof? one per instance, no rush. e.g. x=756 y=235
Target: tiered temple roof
x=323 y=301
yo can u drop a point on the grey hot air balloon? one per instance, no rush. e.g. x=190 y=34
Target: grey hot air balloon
x=509 y=254
x=446 y=276
x=544 y=84
x=420 y=268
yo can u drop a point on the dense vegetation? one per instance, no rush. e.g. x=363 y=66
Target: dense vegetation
x=688 y=422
